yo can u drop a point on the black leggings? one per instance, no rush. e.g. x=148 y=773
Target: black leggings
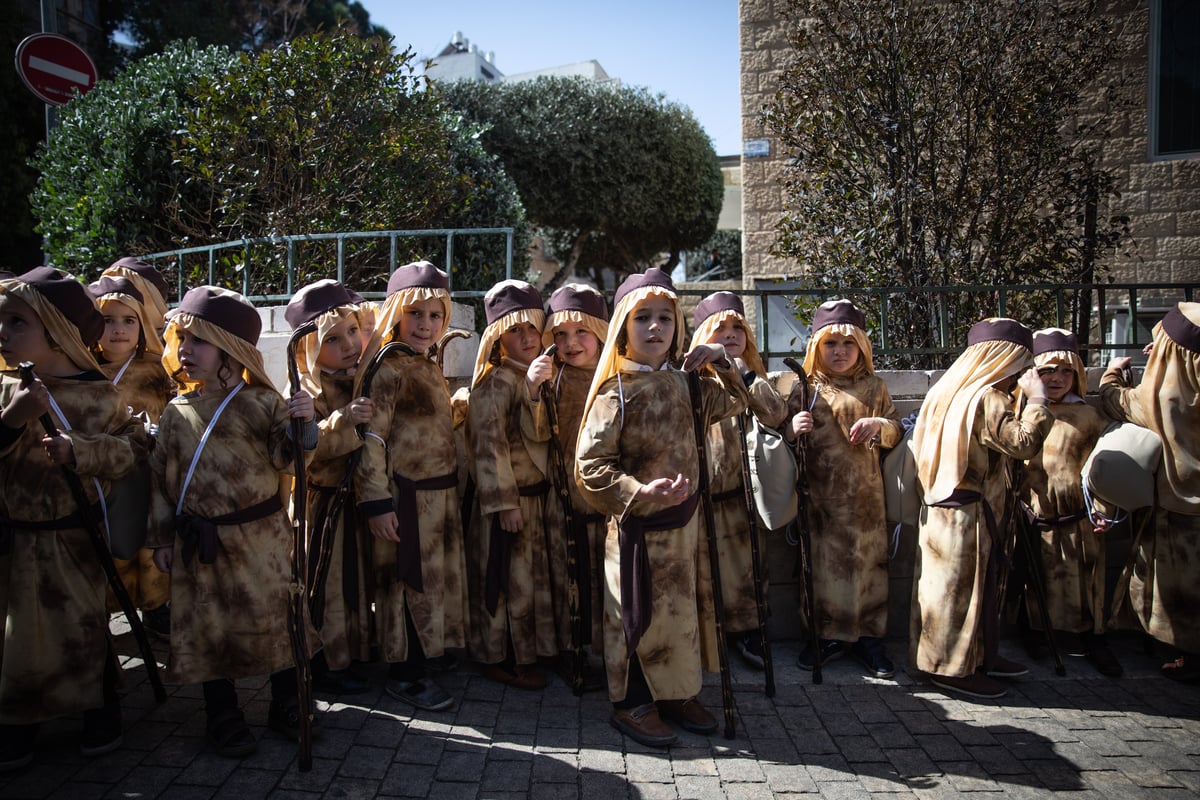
x=220 y=694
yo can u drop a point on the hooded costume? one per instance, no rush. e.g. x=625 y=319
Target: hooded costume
x=725 y=463
x=1164 y=584
x=636 y=429
x=408 y=466
x=965 y=434
x=149 y=282
x=52 y=586
x=845 y=485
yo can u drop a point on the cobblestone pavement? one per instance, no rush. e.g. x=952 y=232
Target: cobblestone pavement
x=852 y=736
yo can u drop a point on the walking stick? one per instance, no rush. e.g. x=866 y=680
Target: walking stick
x=1035 y=579
x=701 y=426
x=759 y=601
x=96 y=533
x=574 y=578
x=299 y=600
x=804 y=540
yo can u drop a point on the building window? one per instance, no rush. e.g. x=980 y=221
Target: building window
x=1175 y=78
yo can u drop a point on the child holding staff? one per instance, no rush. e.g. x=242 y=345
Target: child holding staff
x=217 y=520
x=658 y=624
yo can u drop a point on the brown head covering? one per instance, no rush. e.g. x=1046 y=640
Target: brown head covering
x=715 y=309
x=65 y=308
x=408 y=285
x=843 y=318
x=998 y=349
x=122 y=290
x=223 y=318
x=326 y=303
x=576 y=304
x=1056 y=345
x=148 y=280
x=506 y=304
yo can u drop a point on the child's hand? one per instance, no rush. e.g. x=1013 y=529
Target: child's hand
x=703 y=354
x=385 y=526
x=1102 y=525
x=802 y=423
x=300 y=406
x=59 y=449
x=864 y=430
x=1148 y=349
x=1032 y=387
x=665 y=491
x=27 y=404
x=164 y=558
x=1122 y=362
x=540 y=371
x=511 y=520
x=361 y=410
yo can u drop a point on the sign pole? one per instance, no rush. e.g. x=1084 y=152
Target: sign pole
x=49 y=25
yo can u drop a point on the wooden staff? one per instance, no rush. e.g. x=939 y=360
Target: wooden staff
x=804 y=540
x=700 y=424
x=759 y=600
x=1034 y=578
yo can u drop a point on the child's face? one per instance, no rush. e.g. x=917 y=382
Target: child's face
x=650 y=330
x=122 y=330
x=22 y=335
x=342 y=346
x=1058 y=378
x=732 y=334
x=839 y=353
x=201 y=360
x=521 y=342
x=577 y=346
x=421 y=322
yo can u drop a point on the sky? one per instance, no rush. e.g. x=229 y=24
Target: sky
x=686 y=50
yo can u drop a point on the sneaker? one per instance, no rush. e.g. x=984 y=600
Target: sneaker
x=423 y=694
x=446 y=662
x=157 y=621
x=643 y=725
x=749 y=646
x=16 y=746
x=1070 y=643
x=831 y=649
x=101 y=731
x=870 y=653
x=1004 y=668
x=690 y=714
x=524 y=676
x=1100 y=657
x=977 y=685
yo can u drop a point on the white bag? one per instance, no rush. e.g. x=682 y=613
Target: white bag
x=772 y=475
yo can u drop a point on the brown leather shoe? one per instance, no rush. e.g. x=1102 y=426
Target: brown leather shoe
x=690 y=714
x=525 y=676
x=977 y=685
x=643 y=725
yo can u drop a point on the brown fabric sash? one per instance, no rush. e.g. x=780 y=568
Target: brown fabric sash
x=200 y=533
x=10 y=526
x=737 y=493
x=408 y=549
x=500 y=552
x=636 y=595
x=1049 y=523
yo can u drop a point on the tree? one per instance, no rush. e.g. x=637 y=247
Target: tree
x=22 y=126
x=936 y=143
x=611 y=176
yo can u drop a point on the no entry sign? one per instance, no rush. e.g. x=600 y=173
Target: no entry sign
x=52 y=66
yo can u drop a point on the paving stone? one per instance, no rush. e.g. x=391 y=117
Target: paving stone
x=942 y=747
x=249 y=784
x=556 y=791
x=506 y=776
x=912 y=762
x=829 y=768
x=783 y=778
x=602 y=761
x=352 y=789
x=653 y=767
x=407 y=780
x=841 y=790
x=457 y=767
x=699 y=787
x=921 y=722
x=605 y=786
x=740 y=770
x=555 y=768
x=968 y=776
x=1106 y=743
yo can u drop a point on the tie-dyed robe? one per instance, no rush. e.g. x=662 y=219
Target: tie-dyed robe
x=640 y=429
x=413 y=415
x=848 y=524
x=346 y=625
x=229 y=619
x=506 y=456
x=954 y=545
x=1072 y=554
x=51 y=583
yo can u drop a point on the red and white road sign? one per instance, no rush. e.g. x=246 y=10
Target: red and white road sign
x=52 y=66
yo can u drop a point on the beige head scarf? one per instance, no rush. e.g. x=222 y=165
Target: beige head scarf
x=841 y=318
x=1059 y=346
x=109 y=289
x=715 y=309
x=997 y=349
x=149 y=282
x=65 y=333
x=223 y=318
x=506 y=304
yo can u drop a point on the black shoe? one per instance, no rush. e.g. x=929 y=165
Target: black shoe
x=870 y=653
x=340 y=681
x=283 y=717
x=1100 y=657
x=157 y=621
x=16 y=746
x=750 y=647
x=446 y=662
x=1036 y=645
x=229 y=734
x=1070 y=643
x=423 y=693
x=101 y=731
x=831 y=649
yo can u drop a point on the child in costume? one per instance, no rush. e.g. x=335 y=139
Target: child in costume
x=406 y=483
x=56 y=658
x=217 y=520
x=637 y=463
x=327 y=362
x=720 y=318
x=968 y=429
x=577 y=323
x=1164 y=584
x=512 y=612
x=147 y=280
x=1072 y=555
x=130 y=355
x=849 y=417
